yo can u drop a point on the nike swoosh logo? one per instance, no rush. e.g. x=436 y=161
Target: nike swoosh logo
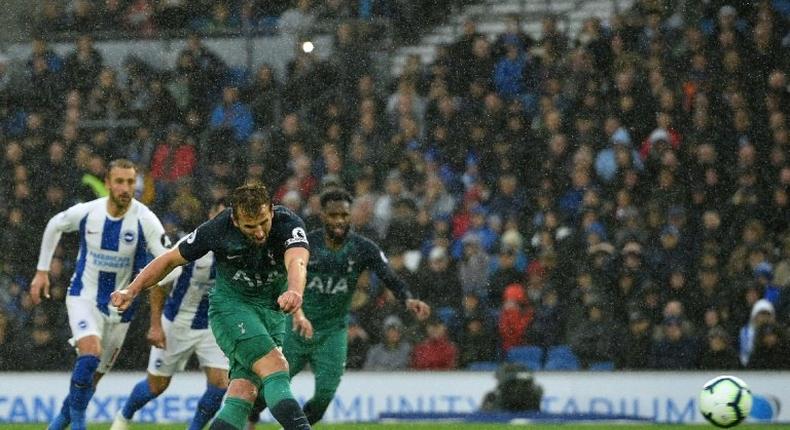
x=92 y=232
x=233 y=257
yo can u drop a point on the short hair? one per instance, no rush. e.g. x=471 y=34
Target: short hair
x=249 y=198
x=121 y=163
x=334 y=195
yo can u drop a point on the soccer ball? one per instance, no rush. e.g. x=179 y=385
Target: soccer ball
x=725 y=401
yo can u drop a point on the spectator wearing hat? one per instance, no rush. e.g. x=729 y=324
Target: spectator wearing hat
x=618 y=155
x=636 y=343
x=763 y=312
x=436 y=351
x=764 y=276
x=393 y=352
x=473 y=267
x=515 y=316
x=676 y=349
x=718 y=352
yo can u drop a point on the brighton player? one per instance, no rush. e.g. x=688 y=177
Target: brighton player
x=179 y=328
x=261 y=254
x=318 y=332
x=116 y=233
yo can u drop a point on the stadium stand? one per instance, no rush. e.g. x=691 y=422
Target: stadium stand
x=607 y=179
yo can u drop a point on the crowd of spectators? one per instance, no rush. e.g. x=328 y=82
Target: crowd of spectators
x=623 y=190
x=156 y=18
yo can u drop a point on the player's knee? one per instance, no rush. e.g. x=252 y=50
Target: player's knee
x=217 y=377
x=243 y=389
x=158 y=384
x=89 y=345
x=270 y=363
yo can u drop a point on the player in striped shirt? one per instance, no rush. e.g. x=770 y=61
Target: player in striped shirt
x=179 y=328
x=117 y=235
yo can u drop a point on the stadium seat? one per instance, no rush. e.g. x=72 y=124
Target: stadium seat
x=561 y=358
x=483 y=366
x=602 y=366
x=530 y=356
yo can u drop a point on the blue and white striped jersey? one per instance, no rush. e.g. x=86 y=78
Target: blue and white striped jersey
x=112 y=250
x=187 y=303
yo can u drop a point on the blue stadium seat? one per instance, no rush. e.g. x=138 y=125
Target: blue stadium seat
x=602 y=366
x=561 y=357
x=483 y=366
x=530 y=356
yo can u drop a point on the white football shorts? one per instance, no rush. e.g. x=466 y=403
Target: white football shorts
x=181 y=342
x=85 y=319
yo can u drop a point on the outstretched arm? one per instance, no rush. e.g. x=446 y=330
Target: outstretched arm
x=154 y=272
x=295 y=260
x=395 y=284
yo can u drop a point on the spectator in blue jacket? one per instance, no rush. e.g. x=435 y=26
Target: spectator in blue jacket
x=233 y=115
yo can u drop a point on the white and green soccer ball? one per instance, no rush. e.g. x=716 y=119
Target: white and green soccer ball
x=725 y=401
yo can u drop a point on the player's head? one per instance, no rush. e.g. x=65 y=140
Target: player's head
x=336 y=213
x=120 y=182
x=252 y=211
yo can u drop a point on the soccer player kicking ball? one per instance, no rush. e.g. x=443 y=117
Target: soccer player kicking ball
x=179 y=328
x=116 y=234
x=261 y=254
x=318 y=332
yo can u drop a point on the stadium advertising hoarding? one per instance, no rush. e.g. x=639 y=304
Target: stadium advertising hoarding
x=665 y=397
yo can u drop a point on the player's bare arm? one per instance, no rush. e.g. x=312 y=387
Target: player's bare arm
x=154 y=272
x=295 y=260
x=156 y=298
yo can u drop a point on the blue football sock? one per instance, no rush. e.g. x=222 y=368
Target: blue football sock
x=81 y=389
x=62 y=419
x=141 y=394
x=208 y=405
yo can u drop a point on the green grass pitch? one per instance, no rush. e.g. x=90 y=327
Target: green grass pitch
x=432 y=426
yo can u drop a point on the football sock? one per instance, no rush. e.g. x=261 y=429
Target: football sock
x=208 y=405
x=257 y=408
x=284 y=408
x=233 y=415
x=315 y=408
x=141 y=394
x=81 y=389
x=61 y=420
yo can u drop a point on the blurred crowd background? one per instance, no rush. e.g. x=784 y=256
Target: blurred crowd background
x=619 y=194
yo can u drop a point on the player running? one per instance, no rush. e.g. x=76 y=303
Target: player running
x=179 y=328
x=116 y=235
x=261 y=254
x=318 y=331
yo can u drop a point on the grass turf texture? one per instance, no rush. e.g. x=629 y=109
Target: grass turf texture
x=432 y=426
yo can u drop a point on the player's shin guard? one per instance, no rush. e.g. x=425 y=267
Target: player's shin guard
x=284 y=408
x=208 y=405
x=141 y=394
x=233 y=415
x=81 y=389
x=63 y=419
